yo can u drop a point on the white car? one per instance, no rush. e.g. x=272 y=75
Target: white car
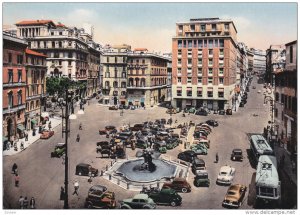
x=258 y=91
x=226 y=175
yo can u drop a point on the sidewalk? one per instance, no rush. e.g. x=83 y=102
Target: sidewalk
x=31 y=139
x=287 y=166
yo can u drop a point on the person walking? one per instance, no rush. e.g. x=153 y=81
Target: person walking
x=217 y=157
x=17 y=180
x=76 y=188
x=15 y=168
x=62 y=193
x=32 y=203
x=78 y=138
x=25 y=202
x=21 y=202
x=80 y=126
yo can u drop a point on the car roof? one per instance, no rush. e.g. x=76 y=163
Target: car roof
x=141 y=196
x=60 y=144
x=237 y=150
x=83 y=164
x=235 y=187
x=226 y=168
x=98 y=187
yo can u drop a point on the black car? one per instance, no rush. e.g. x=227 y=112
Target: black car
x=212 y=122
x=99 y=197
x=201 y=112
x=165 y=197
x=84 y=169
x=242 y=104
x=237 y=155
x=221 y=112
x=187 y=156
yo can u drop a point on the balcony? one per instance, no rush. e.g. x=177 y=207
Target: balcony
x=14 y=84
x=14 y=109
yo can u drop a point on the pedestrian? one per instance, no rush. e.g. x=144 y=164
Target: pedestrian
x=217 y=157
x=62 y=193
x=83 y=108
x=21 y=202
x=25 y=202
x=32 y=203
x=76 y=188
x=78 y=138
x=49 y=125
x=26 y=136
x=15 y=168
x=22 y=145
x=17 y=180
x=80 y=126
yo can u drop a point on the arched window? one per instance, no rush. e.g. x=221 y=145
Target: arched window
x=106 y=84
x=123 y=84
x=130 y=82
x=19 y=97
x=10 y=99
x=115 y=84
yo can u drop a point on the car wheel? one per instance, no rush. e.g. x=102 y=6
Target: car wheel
x=79 y=173
x=173 y=204
x=184 y=190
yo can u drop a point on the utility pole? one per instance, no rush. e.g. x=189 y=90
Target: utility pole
x=66 y=199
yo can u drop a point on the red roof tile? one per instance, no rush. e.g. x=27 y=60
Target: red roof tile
x=34 y=22
x=31 y=52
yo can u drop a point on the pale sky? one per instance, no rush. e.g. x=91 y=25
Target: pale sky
x=152 y=25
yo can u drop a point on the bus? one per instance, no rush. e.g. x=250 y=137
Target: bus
x=259 y=146
x=268 y=186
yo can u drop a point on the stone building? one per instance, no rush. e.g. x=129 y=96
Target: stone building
x=204 y=69
x=69 y=51
x=14 y=86
x=285 y=110
x=36 y=70
x=259 y=61
x=147 y=78
x=275 y=59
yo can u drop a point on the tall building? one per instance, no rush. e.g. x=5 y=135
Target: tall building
x=14 y=86
x=275 y=59
x=147 y=78
x=114 y=62
x=250 y=57
x=36 y=70
x=204 y=63
x=285 y=110
x=68 y=50
x=259 y=61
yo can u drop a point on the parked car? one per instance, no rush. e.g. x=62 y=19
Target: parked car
x=237 y=155
x=187 y=156
x=160 y=147
x=162 y=135
x=204 y=142
x=141 y=144
x=46 y=134
x=139 y=201
x=198 y=166
x=178 y=184
x=99 y=197
x=253 y=87
x=84 y=169
x=229 y=111
x=110 y=128
x=102 y=143
x=221 y=112
x=112 y=108
x=172 y=143
x=202 y=180
x=234 y=196
x=201 y=112
x=102 y=132
x=165 y=197
x=137 y=127
x=171 y=111
x=242 y=104
x=199 y=149
x=59 y=150
x=212 y=122
x=226 y=175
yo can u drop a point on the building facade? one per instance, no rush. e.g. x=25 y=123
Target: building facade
x=69 y=51
x=275 y=59
x=259 y=61
x=285 y=110
x=114 y=81
x=36 y=71
x=14 y=86
x=204 y=65
x=147 y=78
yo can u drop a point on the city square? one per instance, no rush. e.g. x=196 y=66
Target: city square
x=204 y=116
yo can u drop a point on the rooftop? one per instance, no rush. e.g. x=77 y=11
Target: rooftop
x=35 y=22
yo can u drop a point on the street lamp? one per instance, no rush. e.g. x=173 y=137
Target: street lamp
x=65 y=103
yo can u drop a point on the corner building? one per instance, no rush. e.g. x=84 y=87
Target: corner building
x=204 y=63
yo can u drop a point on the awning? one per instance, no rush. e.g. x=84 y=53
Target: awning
x=221 y=90
x=34 y=121
x=20 y=127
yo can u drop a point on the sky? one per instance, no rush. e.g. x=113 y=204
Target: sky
x=152 y=25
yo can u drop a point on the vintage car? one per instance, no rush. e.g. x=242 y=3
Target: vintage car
x=161 y=147
x=237 y=155
x=234 y=196
x=141 y=144
x=139 y=201
x=212 y=122
x=137 y=127
x=171 y=111
x=102 y=143
x=204 y=142
x=113 y=108
x=187 y=156
x=201 y=112
x=165 y=197
x=99 y=197
x=162 y=135
x=221 y=112
x=59 y=150
x=229 y=112
x=46 y=134
x=102 y=132
x=172 y=143
x=201 y=180
x=178 y=184
x=110 y=128
x=226 y=175
x=198 y=166
x=84 y=169
x=199 y=149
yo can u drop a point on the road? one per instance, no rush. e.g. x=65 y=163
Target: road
x=42 y=176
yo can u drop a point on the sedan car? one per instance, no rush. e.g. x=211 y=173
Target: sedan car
x=139 y=201
x=113 y=108
x=234 y=196
x=237 y=155
x=47 y=134
x=59 y=150
x=226 y=175
x=166 y=197
x=212 y=122
x=201 y=112
x=99 y=197
x=199 y=149
x=187 y=156
x=221 y=112
x=178 y=184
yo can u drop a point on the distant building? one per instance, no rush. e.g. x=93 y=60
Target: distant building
x=259 y=61
x=285 y=109
x=204 y=64
x=275 y=59
x=14 y=87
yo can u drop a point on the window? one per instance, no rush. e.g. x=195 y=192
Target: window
x=106 y=74
x=221 y=71
x=282 y=98
x=179 y=92
x=190 y=44
x=52 y=33
x=179 y=61
x=200 y=44
x=10 y=76
x=210 y=80
x=9 y=58
x=199 y=80
x=70 y=63
x=209 y=94
x=20 y=59
x=210 y=71
x=60 y=33
x=189 y=80
x=123 y=74
x=10 y=99
x=210 y=43
x=179 y=80
x=213 y=27
x=189 y=92
x=221 y=80
x=226 y=26
x=192 y=27
x=221 y=51
x=20 y=97
x=179 y=52
x=276 y=112
x=199 y=93
x=276 y=97
x=19 y=75
x=53 y=44
x=203 y=28
x=56 y=54
x=189 y=61
x=59 y=44
x=179 y=71
x=221 y=43
x=210 y=52
x=291 y=54
x=210 y=62
x=199 y=71
x=200 y=61
x=179 y=44
x=59 y=62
